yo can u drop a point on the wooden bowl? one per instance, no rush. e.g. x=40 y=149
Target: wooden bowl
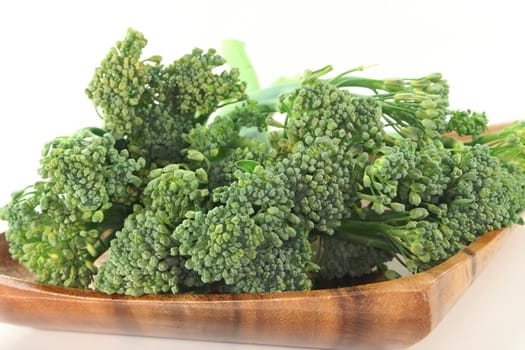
x=387 y=315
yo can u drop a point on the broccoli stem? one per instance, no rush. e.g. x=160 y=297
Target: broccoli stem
x=372 y=84
x=393 y=110
x=373 y=234
x=499 y=138
x=369 y=239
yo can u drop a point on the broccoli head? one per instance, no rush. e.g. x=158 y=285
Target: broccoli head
x=320 y=178
x=468 y=123
x=151 y=105
x=250 y=242
x=320 y=109
x=507 y=144
x=172 y=191
x=61 y=224
x=90 y=172
x=58 y=244
x=144 y=259
x=408 y=173
x=486 y=195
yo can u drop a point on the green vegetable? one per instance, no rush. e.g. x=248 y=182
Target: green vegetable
x=251 y=240
x=199 y=180
x=507 y=144
x=152 y=105
x=61 y=224
x=468 y=123
x=144 y=259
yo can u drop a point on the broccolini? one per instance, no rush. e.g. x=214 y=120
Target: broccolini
x=197 y=181
x=61 y=224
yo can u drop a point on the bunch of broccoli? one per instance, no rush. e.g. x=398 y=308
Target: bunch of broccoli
x=199 y=181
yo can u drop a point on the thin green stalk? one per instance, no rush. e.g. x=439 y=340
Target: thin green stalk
x=372 y=234
x=346 y=81
x=368 y=240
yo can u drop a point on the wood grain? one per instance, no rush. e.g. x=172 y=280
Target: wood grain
x=382 y=315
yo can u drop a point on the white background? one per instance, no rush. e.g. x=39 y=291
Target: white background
x=49 y=49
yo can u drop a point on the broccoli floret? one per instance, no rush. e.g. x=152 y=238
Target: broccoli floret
x=222 y=171
x=62 y=223
x=144 y=259
x=485 y=195
x=250 y=241
x=468 y=123
x=413 y=107
x=409 y=234
x=59 y=252
x=229 y=132
x=319 y=177
x=172 y=191
x=120 y=83
x=229 y=138
x=152 y=105
x=320 y=109
x=90 y=172
x=408 y=173
x=382 y=177
x=432 y=175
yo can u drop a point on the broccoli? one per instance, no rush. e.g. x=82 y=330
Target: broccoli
x=408 y=174
x=90 y=170
x=507 y=144
x=144 y=259
x=151 y=105
x=480 y=194
x=419 y=241
x=60 y=225
x=401 y=176
x=320 y=180
x=251 y=240
x=199 y=181
x=170 y=194
x=321 y=109
x=228 y=139
x=412 y=108
x=172 y=191
x=485 y=186
x=468 y=123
